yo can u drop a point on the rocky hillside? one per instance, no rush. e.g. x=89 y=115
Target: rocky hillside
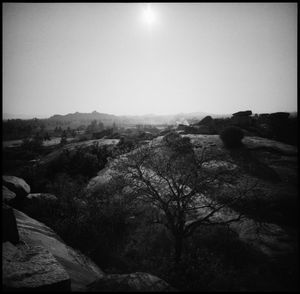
x=279 y=126
x=273 y=165
x=35 y=258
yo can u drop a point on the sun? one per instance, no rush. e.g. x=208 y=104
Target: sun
x=148 y=15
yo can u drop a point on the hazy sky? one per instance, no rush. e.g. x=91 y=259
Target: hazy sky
x=175 y=57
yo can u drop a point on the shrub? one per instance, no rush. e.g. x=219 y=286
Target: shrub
x=125 y=145
x=232 y=136
x=32 y=145
x=178 y=144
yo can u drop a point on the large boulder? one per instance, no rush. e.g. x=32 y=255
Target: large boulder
x=206 y=120
x=134 y=282
x=279 y=115
x=242 y=118
x=82 y=270
x=32 y=268
x=206 y=126
x=19 y=187
x=242 y=113
x=263 y=116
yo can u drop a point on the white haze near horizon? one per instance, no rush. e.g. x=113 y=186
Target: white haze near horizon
x=218 y=58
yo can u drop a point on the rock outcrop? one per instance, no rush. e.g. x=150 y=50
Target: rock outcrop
x=73 y=147
x=206 y=120
x=35 y=258
x=82 y=270
x=16 y=185
x=31 y=269
x=242 y=113
x=242 y=118
x=266 y=155
x=205 y=126
x=279 y=116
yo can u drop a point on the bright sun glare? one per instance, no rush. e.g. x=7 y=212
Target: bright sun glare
x=149 y=16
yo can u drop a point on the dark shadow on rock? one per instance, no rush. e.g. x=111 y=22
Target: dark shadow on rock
x=9 y=225
x=252 y=165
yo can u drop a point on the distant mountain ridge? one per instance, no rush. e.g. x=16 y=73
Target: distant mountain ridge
x=108 y=119
x=130 y=119
x=6 y=116
x=81 y=118
x=82 y=115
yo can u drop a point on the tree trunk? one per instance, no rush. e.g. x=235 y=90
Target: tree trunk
x=178 y=248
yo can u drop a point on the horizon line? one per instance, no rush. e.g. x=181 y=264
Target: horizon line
x=41 y=116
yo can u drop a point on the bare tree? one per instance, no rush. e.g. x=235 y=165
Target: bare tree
x=188 y=189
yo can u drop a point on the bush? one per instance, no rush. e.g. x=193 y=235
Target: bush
x=125 y=145
x=32 y=145
x=232 y=136
x=179 y=145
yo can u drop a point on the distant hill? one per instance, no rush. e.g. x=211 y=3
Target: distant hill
x=80 y=116
x=127 y=119
x=6 y=116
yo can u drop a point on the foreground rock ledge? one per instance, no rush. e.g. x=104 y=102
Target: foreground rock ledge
x=35 y=258
x=82 y=270
x=33 y=268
